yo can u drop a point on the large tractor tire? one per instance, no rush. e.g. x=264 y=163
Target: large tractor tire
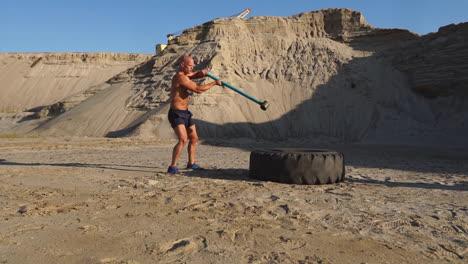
x=297 y=166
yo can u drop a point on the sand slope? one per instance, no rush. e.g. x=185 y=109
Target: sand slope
x=326 y=74
x=32 y=80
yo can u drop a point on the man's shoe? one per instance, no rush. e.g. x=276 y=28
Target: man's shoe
x=194 y=167
x=173 y=170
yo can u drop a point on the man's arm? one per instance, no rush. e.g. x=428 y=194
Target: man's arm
x=198 y=74
x=192 y=86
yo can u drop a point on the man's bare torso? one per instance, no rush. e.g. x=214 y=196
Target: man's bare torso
x=179 y=93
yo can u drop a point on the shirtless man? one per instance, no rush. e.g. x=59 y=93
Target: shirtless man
x=179 y=116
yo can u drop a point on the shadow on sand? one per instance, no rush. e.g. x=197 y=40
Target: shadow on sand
x=459 y=186
x=120 y=167
x=239 y=175
x=221 y=174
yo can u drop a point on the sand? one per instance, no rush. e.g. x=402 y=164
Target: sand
x=325 y=73
x=35 y=80
x=91 y=200
x=70 y=195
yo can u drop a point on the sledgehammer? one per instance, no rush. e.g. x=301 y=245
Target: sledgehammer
x=263 y=105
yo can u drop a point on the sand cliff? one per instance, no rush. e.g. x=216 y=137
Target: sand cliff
x=326 y=73
x=37 y=79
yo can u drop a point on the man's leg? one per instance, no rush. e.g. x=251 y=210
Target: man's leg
x=193 y=140
x=181 y=133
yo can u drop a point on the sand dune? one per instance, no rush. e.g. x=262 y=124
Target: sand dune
x=326 y=73
x=32 y=80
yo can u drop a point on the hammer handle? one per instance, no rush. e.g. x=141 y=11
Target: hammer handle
x=235 y=89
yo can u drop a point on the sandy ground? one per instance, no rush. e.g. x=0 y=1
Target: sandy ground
x=110 y=201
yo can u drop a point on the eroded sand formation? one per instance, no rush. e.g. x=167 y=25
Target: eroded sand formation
x=32 y=80
x=326 y=73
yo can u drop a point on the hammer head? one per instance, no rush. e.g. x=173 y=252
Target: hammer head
x=264 y=105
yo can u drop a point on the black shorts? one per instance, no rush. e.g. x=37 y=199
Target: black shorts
x=180 y=117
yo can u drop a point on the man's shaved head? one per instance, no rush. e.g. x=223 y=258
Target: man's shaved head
x=185 y=59
x=186 y=64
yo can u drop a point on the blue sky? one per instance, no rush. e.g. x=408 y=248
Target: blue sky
x=135 y=26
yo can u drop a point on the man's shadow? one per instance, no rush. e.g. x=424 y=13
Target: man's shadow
x=222 y=174
x=120 y=167
x=240 y=175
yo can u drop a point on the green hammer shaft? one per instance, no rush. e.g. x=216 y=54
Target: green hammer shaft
x=263 y=105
